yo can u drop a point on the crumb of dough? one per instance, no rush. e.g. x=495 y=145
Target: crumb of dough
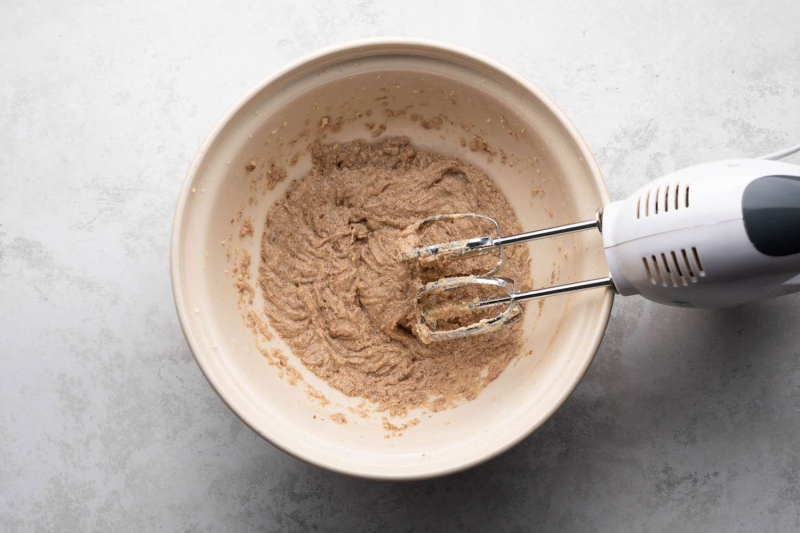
x=247 y=228
x=339 y=418
x=257 y=325
x=250 y=166
x=314 y=394
x=363 y=413
x=241 y=274
x=391 y=427
x=276 y=357
x=395 y=430
x=478 y=144
x=337 y=293
x=433 y=123
x=379 y=130
x=275 y=175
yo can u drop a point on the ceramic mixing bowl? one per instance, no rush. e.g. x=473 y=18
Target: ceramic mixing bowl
x=445 y=99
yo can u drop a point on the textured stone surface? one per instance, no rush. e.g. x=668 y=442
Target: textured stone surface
x=686 y=421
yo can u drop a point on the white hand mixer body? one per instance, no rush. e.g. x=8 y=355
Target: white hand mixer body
x=712 y=235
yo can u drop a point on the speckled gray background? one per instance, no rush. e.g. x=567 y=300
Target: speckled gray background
x=686 y=421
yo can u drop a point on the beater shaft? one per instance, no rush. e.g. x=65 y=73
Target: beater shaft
x=545 y=292
x=482 y=245
x=547 y=232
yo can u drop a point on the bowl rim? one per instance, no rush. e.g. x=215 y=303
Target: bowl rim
x=420 y=45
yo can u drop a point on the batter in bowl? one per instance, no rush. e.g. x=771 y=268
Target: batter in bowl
x=338 y=294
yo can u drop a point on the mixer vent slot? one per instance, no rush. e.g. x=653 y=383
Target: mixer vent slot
x=674 y=268
x=678 y=269
x=681 y=196
x=697 y=262
x=670 y=197
x=649 y=272
x=670 y=276
x=657 y=270
x=689 y=269
x=657 y=199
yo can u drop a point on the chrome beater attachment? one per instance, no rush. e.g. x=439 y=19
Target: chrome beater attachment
x=427 y=327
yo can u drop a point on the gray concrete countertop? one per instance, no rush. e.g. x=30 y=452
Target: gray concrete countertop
x=686 y=421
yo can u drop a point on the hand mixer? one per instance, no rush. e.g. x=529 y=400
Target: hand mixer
x=711 y=235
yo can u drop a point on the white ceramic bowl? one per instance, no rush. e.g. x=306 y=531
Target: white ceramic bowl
x=507 y=111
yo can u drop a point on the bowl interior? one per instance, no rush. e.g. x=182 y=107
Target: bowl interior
x=442 y=99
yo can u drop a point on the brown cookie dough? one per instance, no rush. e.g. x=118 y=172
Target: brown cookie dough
x=338 y=294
